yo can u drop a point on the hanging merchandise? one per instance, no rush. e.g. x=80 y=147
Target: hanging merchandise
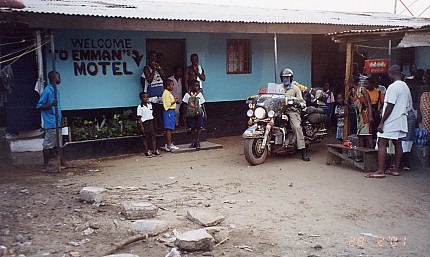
x=6 y=83
x=7 y=78
x=40 y=83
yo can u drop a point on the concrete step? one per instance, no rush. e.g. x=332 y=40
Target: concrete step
x=122 y=145
x=184 y=148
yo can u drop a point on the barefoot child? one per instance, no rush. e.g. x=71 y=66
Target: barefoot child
x=340 y=112
x=147 y=125
x=169 y=114
x=195 y=112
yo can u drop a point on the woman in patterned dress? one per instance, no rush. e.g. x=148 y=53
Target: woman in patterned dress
x=424 y=112
x=361 y=99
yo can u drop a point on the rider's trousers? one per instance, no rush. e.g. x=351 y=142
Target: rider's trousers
x=295 y=122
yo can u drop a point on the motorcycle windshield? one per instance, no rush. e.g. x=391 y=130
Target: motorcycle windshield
x=275 y=102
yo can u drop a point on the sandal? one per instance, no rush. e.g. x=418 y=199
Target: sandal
x=50 y=170
x=392 y=172
x=68 y=166
x=374 y=175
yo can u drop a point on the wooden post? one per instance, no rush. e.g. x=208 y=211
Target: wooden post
x=54 y=84
x=348 y=71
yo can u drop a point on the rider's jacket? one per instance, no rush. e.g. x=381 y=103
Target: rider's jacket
x=294 y=91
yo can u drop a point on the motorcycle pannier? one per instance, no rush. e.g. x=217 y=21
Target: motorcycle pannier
x=316 y=118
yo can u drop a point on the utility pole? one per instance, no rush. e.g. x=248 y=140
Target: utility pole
x=54 y=84
x=275 y=49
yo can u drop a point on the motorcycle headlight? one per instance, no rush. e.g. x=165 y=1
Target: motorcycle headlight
x=271 y=113
x=249 y=113
x=250 y=105
x=260 y=113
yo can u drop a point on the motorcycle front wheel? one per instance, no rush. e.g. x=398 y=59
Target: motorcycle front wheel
x=254 y=154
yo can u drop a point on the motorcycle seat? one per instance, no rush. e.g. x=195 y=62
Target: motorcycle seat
x=312 y=109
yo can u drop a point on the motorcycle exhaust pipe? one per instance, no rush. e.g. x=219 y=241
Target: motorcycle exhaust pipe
x=266 y=134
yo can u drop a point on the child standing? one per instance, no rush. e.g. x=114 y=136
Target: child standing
x=195 y=112
x=340 y=111
x=147 y=125
x=169 y=114
x=177 y=89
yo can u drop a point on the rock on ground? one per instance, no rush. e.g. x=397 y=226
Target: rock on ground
x=205 y=218
x=122 y=255
x=218 y=233
x=139 y=210
x=20 y=238
x=4 y=232
x=149 y=227
x=93 y=194
x=195 y=240
x=173 y=253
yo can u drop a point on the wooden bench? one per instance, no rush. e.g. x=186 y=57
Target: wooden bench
x=339 y=153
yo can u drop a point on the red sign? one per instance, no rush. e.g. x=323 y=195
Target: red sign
x=376 y=66
x=266 y=90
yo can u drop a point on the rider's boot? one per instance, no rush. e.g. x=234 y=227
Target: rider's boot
x=305 y=156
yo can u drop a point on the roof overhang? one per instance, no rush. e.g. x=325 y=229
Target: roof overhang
x=410 y=37
x=150 y=15
x=415 y=39
x=61 y=21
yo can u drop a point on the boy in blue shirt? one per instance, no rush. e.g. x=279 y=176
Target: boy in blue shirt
x=46 y=105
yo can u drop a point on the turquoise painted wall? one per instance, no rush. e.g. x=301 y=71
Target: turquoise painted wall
x=120 y=86
x=116 y=88
x=295 y=52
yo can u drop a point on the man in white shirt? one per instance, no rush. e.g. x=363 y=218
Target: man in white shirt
x=394 y=124
x=152 y=83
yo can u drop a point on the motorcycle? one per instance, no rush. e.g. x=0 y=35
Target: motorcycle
x=269 y=130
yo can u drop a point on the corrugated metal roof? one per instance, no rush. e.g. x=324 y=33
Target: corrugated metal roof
x=158 y=10
x=411 y=37
x=415 y=39
x=370 y=31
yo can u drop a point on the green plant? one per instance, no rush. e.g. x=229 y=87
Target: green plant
x=117 y=126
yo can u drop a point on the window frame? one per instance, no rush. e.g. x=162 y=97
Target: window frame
x=244 y=59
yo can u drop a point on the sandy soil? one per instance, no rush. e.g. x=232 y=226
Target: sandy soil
x=284 y=207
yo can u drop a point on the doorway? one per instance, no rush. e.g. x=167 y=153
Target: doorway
x=173 y=51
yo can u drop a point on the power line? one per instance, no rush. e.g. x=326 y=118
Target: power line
x=29 y=51
x=26 y=36
x=11 y=43
x=19 y=50
x=424 y=11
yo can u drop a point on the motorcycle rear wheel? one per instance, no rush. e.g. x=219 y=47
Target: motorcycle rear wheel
x=253 y=152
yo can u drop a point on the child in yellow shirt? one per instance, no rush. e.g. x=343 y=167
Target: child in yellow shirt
x=169 y=114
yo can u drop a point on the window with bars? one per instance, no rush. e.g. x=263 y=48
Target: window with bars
x=238 y=56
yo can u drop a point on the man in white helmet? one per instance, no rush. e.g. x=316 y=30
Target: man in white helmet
x=291 y=89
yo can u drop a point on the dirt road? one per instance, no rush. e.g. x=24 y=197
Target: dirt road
x=284 y=207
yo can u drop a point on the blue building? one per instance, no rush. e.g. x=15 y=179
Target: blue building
x=101 y=49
